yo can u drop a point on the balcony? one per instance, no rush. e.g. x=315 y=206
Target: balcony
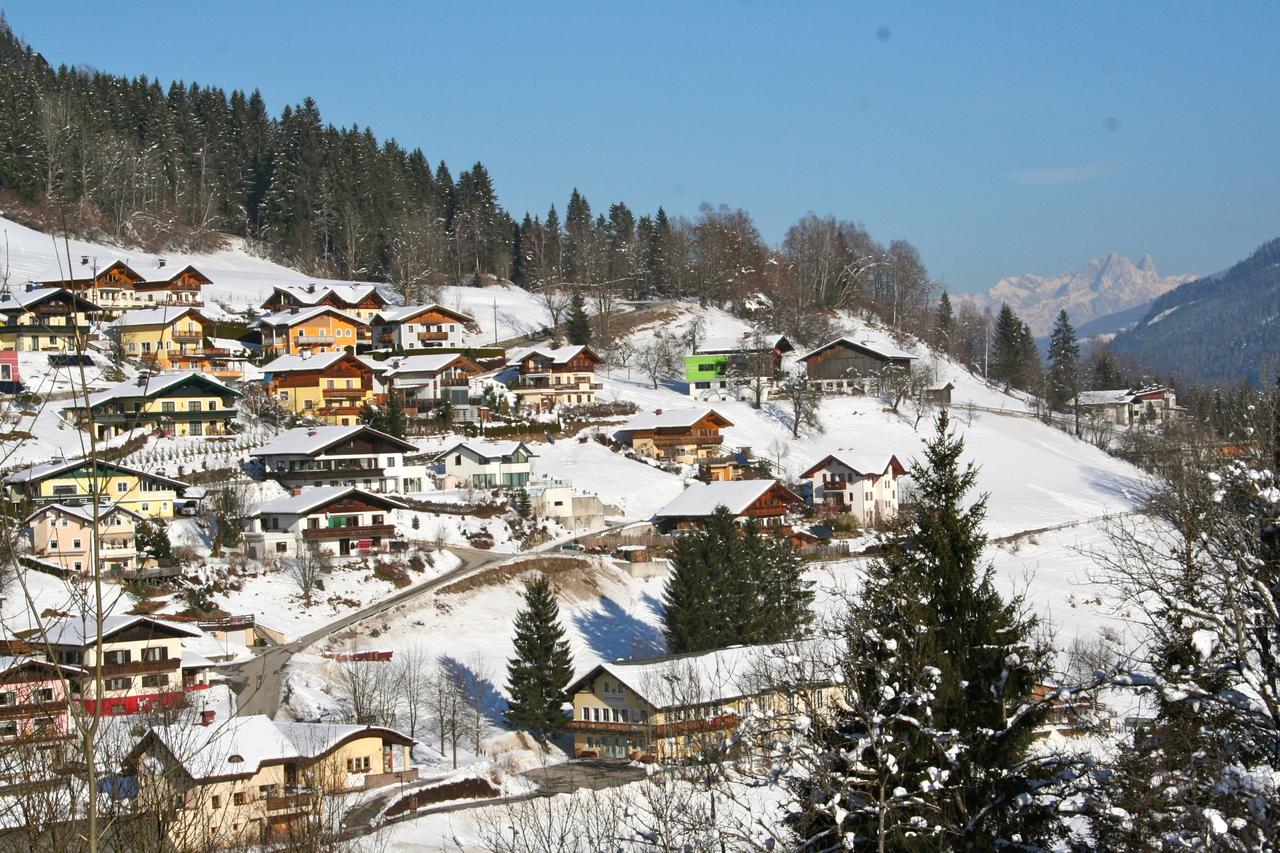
x=314 y=339
x=42 y=329
x=365 y=531
x=660 y=730
x=288 y=803
x=455 y=381
x=345 y=393
x=330 y=466
x=33 y=709
x=140 y=667
x=159 y=572
x=187 y=335
x=124 y=418
x=682 y=440
x=433 y=336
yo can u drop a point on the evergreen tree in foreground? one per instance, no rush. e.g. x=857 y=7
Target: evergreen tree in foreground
x=732 y=585
x=540 y=672
x=931 y=751
x=577 y=327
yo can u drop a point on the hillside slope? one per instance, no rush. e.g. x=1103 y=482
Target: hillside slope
x=1220 y=328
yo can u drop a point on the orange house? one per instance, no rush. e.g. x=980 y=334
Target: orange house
x=312 y=330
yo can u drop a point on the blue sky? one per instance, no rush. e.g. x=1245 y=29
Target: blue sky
x=999 y=137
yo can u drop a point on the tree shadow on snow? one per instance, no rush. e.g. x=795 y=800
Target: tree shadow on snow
x=492 y=703
x=613 y=633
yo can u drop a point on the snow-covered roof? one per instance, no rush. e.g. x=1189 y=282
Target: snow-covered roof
x=231 y=345
x=306 y=441
x=1105 y=398
x=864 y=462
x=885 y=351
x=670 y=419
x=562 y=354
x=290 y=317
x=406 y=312
x=487 y=449
x=194 y=660
x=14 y=299
x=350 y=292
x=429 y=363
x=153 y=272
x=78 y=271
x=297 y=363
x=743 y=343
x=44 y=470
x=83 y=630
x=149 y=386
x=154 y=316
x=310 y=499
x=83 y=512
x=701 y=499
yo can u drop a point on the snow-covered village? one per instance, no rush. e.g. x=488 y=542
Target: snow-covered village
x=393 y=522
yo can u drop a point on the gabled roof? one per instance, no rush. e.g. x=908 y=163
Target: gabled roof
x=83 y=630
x=156 y=316
x=701 y=499
x=289 y=317
x=146 y=387
x=428 y=363
x=745 y=343
x=1105 y=398
x=21 y=299
x=884 y=351
x=350 y=292
x=154 y=273
x=864 y=462
x=58 y=272
x=84 y=512
x=45 y=470
x=311 y=441
x=487 y=450
x=556 y=355
x=406 y=313
x=309 y=500
x=673 y=419
x=308 y=363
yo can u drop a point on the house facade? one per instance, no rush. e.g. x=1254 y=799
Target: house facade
x=250 y=780
x=329 y=387
x=296 y=331
x=107 y=282
x=62 y=535
x=858 y=483
x=684 y=436
x=550 y=377
x=846 y=365
x=45 y=319
x=768 y=502
x=359 y=299
x=1153 y=406
x=337 y=521
x=426 y=382
x=155 y=335
x=412 y=327
x=35 y=704
x=719 y=366
x=170 y=284
x=487 y=464
x=141 y=657
x=77 y=481
x=184 y=402
x=341 y=456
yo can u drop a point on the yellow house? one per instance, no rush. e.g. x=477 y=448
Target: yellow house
x=683 y=706
x=184 y=402
x=155 y=335
x=310 y=330
x=63 y=535
x=44 y=318
x=330 y=387
x=251 y=780
x=77 y=481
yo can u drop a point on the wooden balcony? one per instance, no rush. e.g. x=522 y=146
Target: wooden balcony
x=345 y=393
x=187 y=335
x=658 y=730
x=680 y=440
x=455 y=381
x=33 y=709
x=366 y=531
x=288 y=803
x=433 y=336
x=140 y=667
x=314 y=339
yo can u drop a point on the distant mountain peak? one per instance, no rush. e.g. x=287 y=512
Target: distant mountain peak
x=1108 y=284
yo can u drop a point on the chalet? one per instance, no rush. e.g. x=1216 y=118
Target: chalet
x=341 y=456
x=684 y=706
x=767 y=502
x=552 y=376
x=1154 y=405
x=684 y=436
x=183 y=402
x=487 y=464
x=720 y=364
x=243 y=782
x=35 y=704
x=335 y=520
x=361 y=300
x=221 y=358
x=155 y=335
x=45 y=318
x=426 y=382
x=296 y=331
x=420 y=327
x=846 y=365
x=63 y=536
x=169 y=284
x=331 y=387
x=858 y=483
x=142 y=660
x=75 y=482
x=109 y=283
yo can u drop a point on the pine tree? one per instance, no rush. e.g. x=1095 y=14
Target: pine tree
x=1064 y=361
x=520 y=502
x=394 y=421
x=540 y=672
x=578 y=325
x=946 y=322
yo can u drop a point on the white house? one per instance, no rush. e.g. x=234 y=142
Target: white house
x=1124 y=406
x=336 y=520
x=420 y=327
x=860 y=483
x=487 y=464
x=555 y=500
x=341 y=456
x=425 y=382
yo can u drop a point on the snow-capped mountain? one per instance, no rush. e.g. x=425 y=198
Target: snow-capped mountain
x=1105 y=286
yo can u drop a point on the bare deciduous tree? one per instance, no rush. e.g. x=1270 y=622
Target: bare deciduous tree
x=305 y=567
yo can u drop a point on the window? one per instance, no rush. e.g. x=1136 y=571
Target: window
x=146 y=507
x=216 y=801
x=282 y=547
x=586 y=713
x=358 y=765
x=195 y=405
x=377 y=518
x=167 y=406
x=8 y=728
x=240 y=798
x=154 y=653
x=121 y=487
x=79 y=567
x=53 y=544
x=6 y=698
x=116 y=657
x=117 y=683
x=75 y=544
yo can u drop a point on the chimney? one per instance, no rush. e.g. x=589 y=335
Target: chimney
x=206 y=717
x=84 y=260
x=160 y=262
x=311 y=288
x=295 y=491
x=657 y=411
x=311 y=432
x=293 y=310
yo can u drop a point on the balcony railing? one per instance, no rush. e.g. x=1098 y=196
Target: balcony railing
x=365 y=531
x=330 y=466
x=32 y=709
x=433 y=336
x=683 y=727
x=42 y=329
x=455 y=381
x=288 y=803
x=314 y=339
x=677 y=440
x=141 y=667
x=345 y=393
x=114 y=418
x=187 y=335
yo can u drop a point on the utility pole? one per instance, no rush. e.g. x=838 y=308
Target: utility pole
x=495 y=322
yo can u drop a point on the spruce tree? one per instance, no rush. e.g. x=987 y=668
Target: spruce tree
x=393 y=420
x=946 y=322
x=540 y=672
x=578 y=325
x=1064 y=364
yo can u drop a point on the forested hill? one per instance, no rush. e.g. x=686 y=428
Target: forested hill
x=1221 y=328
x=135 y=163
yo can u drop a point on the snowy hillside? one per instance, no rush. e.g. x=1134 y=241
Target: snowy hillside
x=1105 y=286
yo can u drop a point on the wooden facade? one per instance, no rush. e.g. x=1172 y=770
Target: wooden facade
x=844 y=359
